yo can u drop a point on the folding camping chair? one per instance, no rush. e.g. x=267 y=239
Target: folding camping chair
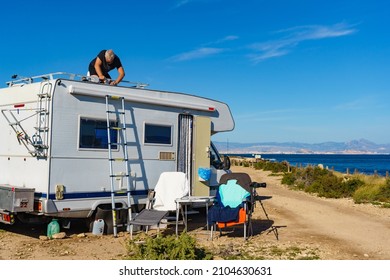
x=235 y=202
x=170 y=186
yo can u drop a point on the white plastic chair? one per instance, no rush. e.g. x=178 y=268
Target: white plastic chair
x=170 y=186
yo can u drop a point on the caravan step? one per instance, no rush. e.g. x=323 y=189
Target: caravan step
x=118 y=159
x=121 y=208
x=40 y=146
x=115 y=97
x=117 y=127
x=119 y=176
x=44 y=95
x=120 y=192
x=115 y=112
x=116 y=144
x=43 y=129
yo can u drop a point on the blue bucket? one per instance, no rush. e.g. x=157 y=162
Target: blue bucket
x=204 y=173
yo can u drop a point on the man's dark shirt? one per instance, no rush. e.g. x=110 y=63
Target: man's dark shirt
x=105 y=66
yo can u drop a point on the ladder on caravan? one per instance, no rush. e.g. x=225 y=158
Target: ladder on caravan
x=41 y=137
x=121 y=128
x=37 y=144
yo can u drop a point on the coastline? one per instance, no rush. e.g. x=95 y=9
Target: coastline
x=300 y=153
x=369 y=164
x=361 y=146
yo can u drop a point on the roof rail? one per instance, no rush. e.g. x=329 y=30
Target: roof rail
x=57 y=75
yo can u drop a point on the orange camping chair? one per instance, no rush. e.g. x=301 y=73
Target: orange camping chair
x=234 y=205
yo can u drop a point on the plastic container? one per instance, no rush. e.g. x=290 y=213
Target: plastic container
x=98 y=227
x=52 y=228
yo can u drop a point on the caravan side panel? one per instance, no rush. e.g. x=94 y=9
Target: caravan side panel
x=83 y=171
x=18 y=167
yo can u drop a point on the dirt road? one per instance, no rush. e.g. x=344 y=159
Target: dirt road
x=307 y=227
x=339 y=228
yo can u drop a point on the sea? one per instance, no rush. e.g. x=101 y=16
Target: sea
x=366 y=164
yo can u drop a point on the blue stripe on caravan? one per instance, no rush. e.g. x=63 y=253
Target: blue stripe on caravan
x=90 y=194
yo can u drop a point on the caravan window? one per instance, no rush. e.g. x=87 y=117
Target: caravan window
x=93 y=134
x=158 y=134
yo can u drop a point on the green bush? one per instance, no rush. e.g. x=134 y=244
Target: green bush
x=274 y=167
x=168 y=247
x=289 y=179
x=325 y=186
x=366 y=193
x=321 y=181
x=349 y=187
x=384 y=192
x=375 y=193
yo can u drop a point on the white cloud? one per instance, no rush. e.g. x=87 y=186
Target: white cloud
x=196 y=54
x=315 y=32
x=181 y=3
x=361 y=103
x=228 y=38
x=270 y=49
x=295 y=36
x=290 y=39
x=204 y=51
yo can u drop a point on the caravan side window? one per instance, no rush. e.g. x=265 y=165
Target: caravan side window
x=158 y=134
x=93 y=134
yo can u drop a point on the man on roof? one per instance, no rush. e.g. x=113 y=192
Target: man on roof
x=105 y=61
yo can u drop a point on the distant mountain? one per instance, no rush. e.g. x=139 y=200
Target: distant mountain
x=361 y=146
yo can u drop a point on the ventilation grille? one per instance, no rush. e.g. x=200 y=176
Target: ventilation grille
x=167 y=156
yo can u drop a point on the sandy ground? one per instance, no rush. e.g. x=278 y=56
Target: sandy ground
x=338 y=228
x=299 y=226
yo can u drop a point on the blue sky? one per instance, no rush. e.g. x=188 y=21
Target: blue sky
x=305 y=71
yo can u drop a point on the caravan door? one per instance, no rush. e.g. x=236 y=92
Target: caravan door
x=201 y=155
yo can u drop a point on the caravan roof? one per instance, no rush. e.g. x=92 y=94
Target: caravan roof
x=219 y=112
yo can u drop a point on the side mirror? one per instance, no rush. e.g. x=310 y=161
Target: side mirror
x=226 y=163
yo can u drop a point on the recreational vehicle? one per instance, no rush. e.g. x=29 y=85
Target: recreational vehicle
x=70 y=146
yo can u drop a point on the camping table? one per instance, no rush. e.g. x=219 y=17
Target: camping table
x=187 y=200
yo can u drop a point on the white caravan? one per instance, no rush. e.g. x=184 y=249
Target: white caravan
x=70 y=146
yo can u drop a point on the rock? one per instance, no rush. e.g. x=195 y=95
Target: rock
x=81 y=235
x=366 y=255
x=60 y=235
x=43 y=238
